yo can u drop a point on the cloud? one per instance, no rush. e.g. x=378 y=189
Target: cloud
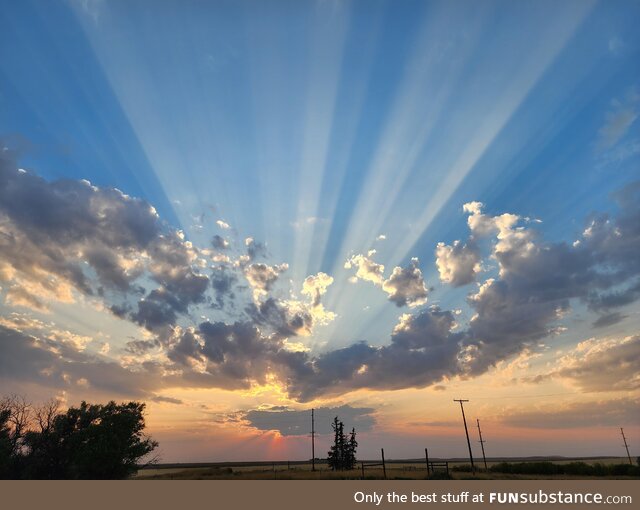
x=405 y=286
x=261 y=277
x=423 y=350
x=61 y=237
x=459 y=263
x=223 y=225
x=167 y=400
x=59 y=365
x=537 y=280
x=366 y=269
x=315 y=286
x=223 y=282
x=64 y=238
x=608 y=319
x=290 y=422
x=219 y=242
x=609 y=413
x=602 y=364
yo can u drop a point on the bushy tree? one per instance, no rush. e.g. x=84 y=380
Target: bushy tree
x=342 y=454
x=91 y=441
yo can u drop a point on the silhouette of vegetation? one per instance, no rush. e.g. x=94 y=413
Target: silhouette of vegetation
x=439 y=475
x=342 y=454
x=5 y=444
x=572 y=468
x=91 y=441
x=462 y=468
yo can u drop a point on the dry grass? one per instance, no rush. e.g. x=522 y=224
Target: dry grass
x=395 y=471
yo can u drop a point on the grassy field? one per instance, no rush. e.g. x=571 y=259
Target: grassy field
x=395 y=470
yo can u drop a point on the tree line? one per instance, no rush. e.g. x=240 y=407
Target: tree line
x=92 y=441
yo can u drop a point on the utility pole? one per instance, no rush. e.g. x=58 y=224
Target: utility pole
x=482 y=442
x=313 y=442
x=626 y=445
x=466 y=431
x=426 y=455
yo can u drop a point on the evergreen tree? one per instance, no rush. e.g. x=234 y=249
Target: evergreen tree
x=352 y=445
x=342 y=454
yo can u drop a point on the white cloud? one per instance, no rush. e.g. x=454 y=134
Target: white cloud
x=405 y=286
x=459 y=263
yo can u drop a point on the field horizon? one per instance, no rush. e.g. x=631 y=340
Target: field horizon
x=457 y=468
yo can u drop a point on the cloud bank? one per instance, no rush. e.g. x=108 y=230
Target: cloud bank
x=62 y=239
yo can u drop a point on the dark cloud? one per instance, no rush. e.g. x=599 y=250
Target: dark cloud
x=298 y=423
x=219 y=242
x=55 y=236
x=255 y=249
x=608 y=320
x=280 y=318
x=424 y=349
x=406 y=285
x=59 y=366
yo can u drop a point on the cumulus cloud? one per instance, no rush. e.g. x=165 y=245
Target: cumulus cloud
x=459 y=263
x=405 y=286
x=366 y=269
x=261 y=277
x=294 y=317
x=61 y=237
x=537 y=280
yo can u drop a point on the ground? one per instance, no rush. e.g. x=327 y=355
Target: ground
x=398 y=470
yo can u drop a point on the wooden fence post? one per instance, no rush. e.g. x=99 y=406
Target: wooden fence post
x=426 y=456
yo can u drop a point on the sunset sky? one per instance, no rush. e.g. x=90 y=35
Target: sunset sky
x=236 y=211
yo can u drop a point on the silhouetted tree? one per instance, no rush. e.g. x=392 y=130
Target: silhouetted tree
x=352 y=445
x=342 y=454
x=90 y=441
x=5 y=444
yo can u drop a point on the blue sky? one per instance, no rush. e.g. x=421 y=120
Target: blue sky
x=316 y=127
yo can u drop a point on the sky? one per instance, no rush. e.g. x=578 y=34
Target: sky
x=237 y=211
